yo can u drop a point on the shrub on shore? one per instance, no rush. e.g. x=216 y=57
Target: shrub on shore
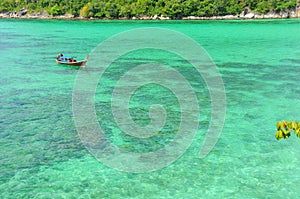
x=174 y=9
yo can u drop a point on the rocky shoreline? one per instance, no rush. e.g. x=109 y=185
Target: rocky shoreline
x=246 y=14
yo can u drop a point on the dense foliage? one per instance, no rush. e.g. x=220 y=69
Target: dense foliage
x=130 y=8
x=284 y=129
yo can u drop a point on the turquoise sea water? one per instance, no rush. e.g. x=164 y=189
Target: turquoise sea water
x=43 y=157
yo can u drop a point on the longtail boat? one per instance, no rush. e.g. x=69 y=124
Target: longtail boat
x=70 y=60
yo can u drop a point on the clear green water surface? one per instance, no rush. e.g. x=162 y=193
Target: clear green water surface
x=43 y=157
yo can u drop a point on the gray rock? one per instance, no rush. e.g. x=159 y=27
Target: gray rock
x=249 y=15
x=23 y=12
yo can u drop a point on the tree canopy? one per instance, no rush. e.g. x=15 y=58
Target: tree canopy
x=174 y=9
x=285 y=128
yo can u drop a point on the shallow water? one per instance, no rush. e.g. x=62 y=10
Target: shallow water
x=43 y=157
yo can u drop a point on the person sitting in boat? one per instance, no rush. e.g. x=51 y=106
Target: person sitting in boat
x=59 y=56
x=71 y=60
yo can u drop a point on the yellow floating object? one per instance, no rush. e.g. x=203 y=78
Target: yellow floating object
x=297 y=125
x=297 y=132
x=284 y=129
x=294 y=125
x=290 y=124
x=286 y=132
x=284 y=123
x=278 y=125
x=279 y=135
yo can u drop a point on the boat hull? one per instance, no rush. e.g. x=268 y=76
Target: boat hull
x=77 y=63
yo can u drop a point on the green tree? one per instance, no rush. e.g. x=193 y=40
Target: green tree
x=207 y=8
x=263 y=7
x=175 y=9
x=144 y=7
x=285 y=128
x=7 y=5
x=111 y=9
x=56 y=10
x=233 y=7
x=127 y=10
x=190 y=7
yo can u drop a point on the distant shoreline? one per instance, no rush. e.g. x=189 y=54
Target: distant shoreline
x=22 y=14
